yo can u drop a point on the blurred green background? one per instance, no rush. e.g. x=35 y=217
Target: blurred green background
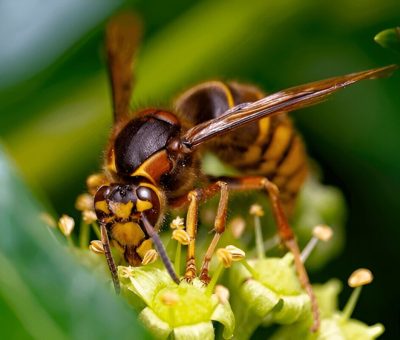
x=55 y=110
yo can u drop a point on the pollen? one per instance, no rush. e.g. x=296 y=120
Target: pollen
x=177 y=223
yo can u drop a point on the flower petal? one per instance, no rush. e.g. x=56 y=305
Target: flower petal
x=200 y=331
x=144 y=281
x=223 y=314
x=158 y=328
x=293 y=308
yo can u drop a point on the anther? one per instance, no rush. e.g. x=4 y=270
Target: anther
x=236 y=253
x=181 y=236
x=89 y=216
x=360 y=277
x=256 y=210
x=84 y=202
x=96 y=246
x=237 y=226
x=151 y=256
x=357 y=280
x=225 y=257
x=66 y=224
x=320 y=233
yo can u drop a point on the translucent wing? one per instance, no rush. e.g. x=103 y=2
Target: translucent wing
x=284 y=101
x=122 y=38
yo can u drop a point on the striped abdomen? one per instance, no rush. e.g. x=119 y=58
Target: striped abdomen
x=269 y=147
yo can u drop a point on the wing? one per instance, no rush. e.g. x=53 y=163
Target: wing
x=287 y=100
x=122 y=38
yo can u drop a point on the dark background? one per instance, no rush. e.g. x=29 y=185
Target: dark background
x=55 y=107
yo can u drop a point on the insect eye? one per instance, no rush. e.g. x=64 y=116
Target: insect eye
x=145 y=193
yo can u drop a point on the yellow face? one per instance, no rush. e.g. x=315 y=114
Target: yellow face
x=120 y=208
x=126 y=202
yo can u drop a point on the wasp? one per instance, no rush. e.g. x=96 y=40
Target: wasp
x=152 y=160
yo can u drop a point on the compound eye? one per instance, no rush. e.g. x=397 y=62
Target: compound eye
x=100 y=202
x=147 y=199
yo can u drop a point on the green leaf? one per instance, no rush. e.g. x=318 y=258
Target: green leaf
x=42 y=285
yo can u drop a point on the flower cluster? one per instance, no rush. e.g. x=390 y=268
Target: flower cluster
x=253 y=282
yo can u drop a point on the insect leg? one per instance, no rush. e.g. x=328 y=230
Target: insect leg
x=194 y=198
x=191 y=228
x=109 y=257
x=219 y=227
x=284 y=230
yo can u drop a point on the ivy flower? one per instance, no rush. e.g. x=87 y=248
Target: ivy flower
x=184 y=311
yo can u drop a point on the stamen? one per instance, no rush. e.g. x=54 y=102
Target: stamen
x=225 y=257
x=151 y=256
x=225 y=261
x=237 y=254
x=257 y=211
x=181 y=236
x=89 y=216
x=96 y=246
x=66 y=225
x=357 y=280
x=84 y=202
x=237 y=226
x=320 y=233
x=177 y=223
x=93 y=182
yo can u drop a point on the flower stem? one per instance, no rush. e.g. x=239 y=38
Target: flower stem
x=96 y=230
x=213 y=282
x=177 y=262
x=84 y=235
x=351 y=303
x=259 y=238
x=250 y=269
x=308 y=249
x=70 y=241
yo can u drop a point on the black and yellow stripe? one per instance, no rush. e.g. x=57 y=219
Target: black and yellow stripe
x=269 y=147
